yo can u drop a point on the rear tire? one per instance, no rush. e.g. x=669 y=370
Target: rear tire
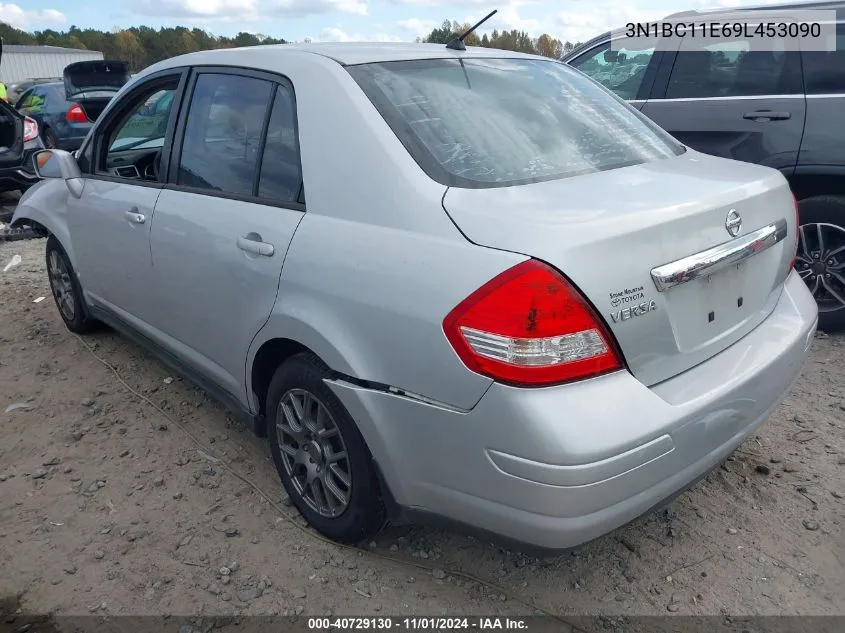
x=67 y=292
x=306 y=449
x=820 y=262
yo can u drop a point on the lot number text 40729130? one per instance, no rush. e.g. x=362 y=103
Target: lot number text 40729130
x=417 y=623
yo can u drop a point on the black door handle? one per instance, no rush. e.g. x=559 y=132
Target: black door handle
x=767 y=115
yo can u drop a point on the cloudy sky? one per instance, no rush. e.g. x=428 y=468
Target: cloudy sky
x=352 y=20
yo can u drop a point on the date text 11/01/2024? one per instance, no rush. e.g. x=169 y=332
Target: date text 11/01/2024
x=416 y=623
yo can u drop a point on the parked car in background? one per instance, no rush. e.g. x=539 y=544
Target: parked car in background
x=781 y=109
x=16 y=89
x=62 y=122
x=65 y=111
x=19 y=139
x=538 y=322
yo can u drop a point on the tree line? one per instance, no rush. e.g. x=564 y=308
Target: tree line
x=141 y=46
x=514 y=40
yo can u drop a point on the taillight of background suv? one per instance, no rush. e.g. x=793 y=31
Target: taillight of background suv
x=30 y=129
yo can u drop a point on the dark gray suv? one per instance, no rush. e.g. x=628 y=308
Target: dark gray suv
x=781 y=109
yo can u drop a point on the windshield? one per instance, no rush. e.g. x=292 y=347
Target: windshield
x=499 y=122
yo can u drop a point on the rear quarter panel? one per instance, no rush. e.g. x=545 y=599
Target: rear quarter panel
x=376 y=263
x=370 y=301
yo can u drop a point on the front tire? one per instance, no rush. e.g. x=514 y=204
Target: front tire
x=322 y=459
x=821 y=256
x=66 y=290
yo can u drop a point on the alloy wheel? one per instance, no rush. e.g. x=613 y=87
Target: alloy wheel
x=313 y=453
x=61 y=285
x=820 y=261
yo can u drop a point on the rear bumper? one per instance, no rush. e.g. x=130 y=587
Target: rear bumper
x=556 y=467
x=16 y=178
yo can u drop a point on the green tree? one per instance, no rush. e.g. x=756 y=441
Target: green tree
x=140 y=46
x=443 y=33
x=547 y=46
x=513 y=40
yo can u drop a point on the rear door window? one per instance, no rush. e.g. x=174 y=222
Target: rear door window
x=731 y=69
x=281 y=174
x=223 y=133
x=824 y=71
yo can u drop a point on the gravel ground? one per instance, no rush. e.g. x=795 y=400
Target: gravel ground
x=108 y=506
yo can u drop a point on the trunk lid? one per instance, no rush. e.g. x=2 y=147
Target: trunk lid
x=92 y=84
x=620 y=234
x=96 y=75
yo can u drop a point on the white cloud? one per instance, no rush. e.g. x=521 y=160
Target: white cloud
x=579 y=26
x=594 y=18
x=245 y=9
x=508 y=18
x=600 y=16
x=417 y=27
x=579 y=22
x=336 y=34
x=440 y=3
x=17 y=17
x=731 y=4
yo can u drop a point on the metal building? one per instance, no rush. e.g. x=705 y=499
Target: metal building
x=39 y=62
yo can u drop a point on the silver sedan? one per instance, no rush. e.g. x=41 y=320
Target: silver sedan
x=469 y=285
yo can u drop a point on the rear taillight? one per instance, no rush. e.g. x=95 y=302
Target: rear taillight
x=530 y=327
x=30 y=129
x=797 y=238
x=76 y=114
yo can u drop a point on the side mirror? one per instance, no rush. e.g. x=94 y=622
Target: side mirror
x=57 y=163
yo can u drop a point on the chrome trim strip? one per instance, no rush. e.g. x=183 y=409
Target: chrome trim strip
x=719 y=257
x=742 y=98
x=737 y=98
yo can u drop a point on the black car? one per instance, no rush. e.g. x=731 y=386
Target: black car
x=19 y=139
x=783 y=109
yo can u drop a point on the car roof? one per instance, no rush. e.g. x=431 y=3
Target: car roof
x=45 y=84
x=345 y=53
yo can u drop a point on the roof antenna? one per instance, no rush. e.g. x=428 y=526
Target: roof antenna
x=457 y=43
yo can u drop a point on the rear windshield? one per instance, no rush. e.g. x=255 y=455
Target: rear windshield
x=499 y=122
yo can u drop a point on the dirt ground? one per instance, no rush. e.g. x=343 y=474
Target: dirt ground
x=109 y=507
